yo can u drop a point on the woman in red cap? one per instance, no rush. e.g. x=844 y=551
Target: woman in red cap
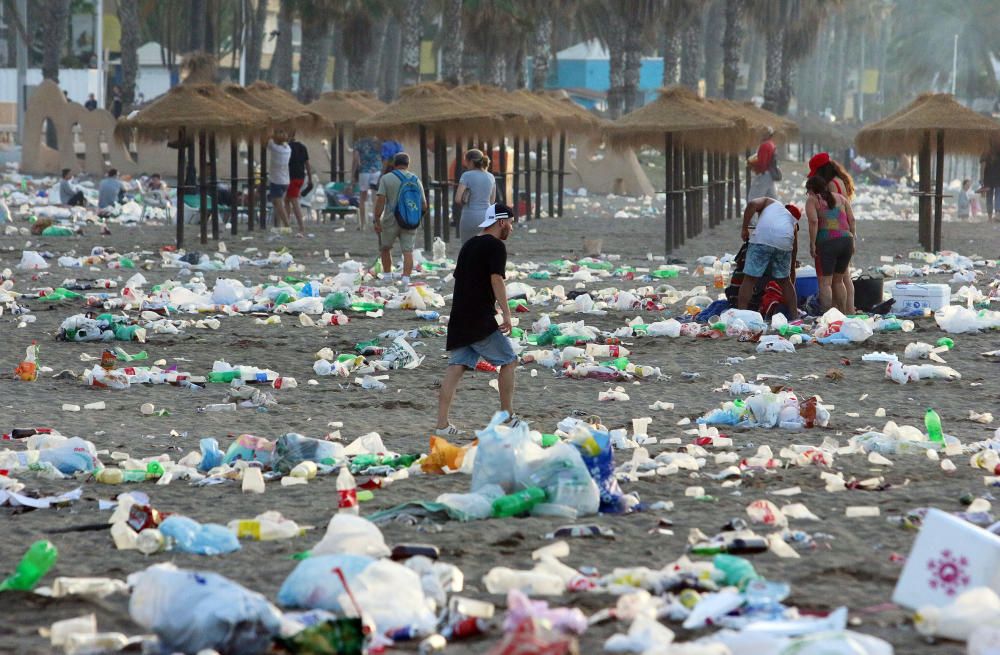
x=838 y=181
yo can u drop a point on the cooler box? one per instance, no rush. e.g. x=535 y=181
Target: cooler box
x=949 y=556
x=806 y=283
x=914 y=295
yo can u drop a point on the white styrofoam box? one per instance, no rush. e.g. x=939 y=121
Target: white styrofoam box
x=949 y=556
x=917 y=295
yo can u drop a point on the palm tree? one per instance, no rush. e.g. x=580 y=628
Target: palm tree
x=541 y=46
x=197 y=18
x=732 y=41
x=452 y=41
x=315 y=51
x=255 y=39
x=677 y=16
x=496 y=29
x=128 y=16
x=56 y=21
x=412 y=22
x=281 y=61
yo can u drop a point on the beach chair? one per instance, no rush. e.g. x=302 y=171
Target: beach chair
x=192 y=208
x=338 y=200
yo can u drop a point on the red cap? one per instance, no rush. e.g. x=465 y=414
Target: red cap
x=817 y=162
x=794 y=211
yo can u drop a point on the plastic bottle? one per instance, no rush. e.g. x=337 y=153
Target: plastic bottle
x=220 y=407
x=601 y=350
x=109 y=475
x=223 y=376
x=150 y=541
x=933 y=424
x=406 y=551
x=253 y=479
x=517 y=503
x=36 y=562
x=27 y=370
x=736 y=570
x=284 y=383
x=347 y=492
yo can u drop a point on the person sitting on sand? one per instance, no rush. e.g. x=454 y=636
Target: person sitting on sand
x=772 y=249
x=69 y=193
x=472 y=328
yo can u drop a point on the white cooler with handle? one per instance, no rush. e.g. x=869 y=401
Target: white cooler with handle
x=917 y=295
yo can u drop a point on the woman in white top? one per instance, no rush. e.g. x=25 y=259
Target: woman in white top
x=476 y=191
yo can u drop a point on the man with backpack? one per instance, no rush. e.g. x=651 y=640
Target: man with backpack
x=399 y=206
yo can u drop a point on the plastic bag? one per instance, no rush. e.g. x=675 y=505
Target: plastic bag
x=391 y=594
x=599 y=458
x=190 y=611
x=561 y=472
x=443 y=454
x=496 y=455
x=473 y=506
x=228 y=292
x=292 y=448
x=71 y=456
x=351 y=534
x=32 y=261
x=200 y=539
x=250 y=449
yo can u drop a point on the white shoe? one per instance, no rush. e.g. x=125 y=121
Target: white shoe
x=449 y=431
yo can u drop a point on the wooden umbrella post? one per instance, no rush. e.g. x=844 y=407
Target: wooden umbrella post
x=550 y=171
x=678 y=192
x=234 y=210
x=263 y=183
x=516 y=200
x=939 y=193
x=342 y=172
x=425 y=178
x=527 y=178
x=180 y=187
x=924 y=190
x=538 y=179
x=251 y=188
x=202 y=188
x=213 y=185
x=668 y=183
x=333 y=156
x=502 y=176
x=562 y=171
x=451 y=199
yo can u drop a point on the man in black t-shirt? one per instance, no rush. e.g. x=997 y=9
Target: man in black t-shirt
x=991 y=181
x=299 y=171
x=472 y=329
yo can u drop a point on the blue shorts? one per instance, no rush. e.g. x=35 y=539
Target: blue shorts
x=275 y=191
x=495 y=349
x=763 y=260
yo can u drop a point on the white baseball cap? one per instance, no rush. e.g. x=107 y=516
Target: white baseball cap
x=496 y=213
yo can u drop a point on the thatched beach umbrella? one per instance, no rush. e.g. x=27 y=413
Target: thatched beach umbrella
x=342 y=109
x=685 y=126
x=818 y=135
x=179 y=114
x=954 y=127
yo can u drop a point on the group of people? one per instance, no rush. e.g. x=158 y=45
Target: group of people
x=289 y=178
x=772 y=243
x=112 y=190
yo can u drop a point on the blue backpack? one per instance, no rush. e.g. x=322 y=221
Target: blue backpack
x=409 y=201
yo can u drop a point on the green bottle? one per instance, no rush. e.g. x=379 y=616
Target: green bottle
x=154 y=470
x=125 y=262
x=518 y=503
x=223 y=376
x=516 y=333
x=549 y=440
x=621 y=363
x=282 y=299
x=933 y=424
x=946 y=341
x=134 y=475
x=736 y=570
x=786 y=329
x=336 y=300
x=34 y=565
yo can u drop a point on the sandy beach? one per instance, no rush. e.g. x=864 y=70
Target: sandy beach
x=855 y=563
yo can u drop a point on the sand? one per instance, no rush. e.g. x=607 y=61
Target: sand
x=856 y=564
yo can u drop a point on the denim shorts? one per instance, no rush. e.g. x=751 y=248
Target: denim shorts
x=763 y=260
x=495 y=349
x=275 y=191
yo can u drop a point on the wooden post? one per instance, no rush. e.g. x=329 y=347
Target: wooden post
x=689 y=193
x=538 y=179
x=202 y=187
x=939 y=192
x=527 y=178
x=668 y=184
x=562 y=170
x=457 y=175
x=333 y=156
x=924 y=199
x=234 y=217
x=737 y=186
x=342 y=173
x=678 y=193
x=213 y=184
x=551 y=175
x=515 y=201
x=502 y=163
x=263 y=184
x=712 y=208
x=428 y=242
x=180 y=187
x=436 y=182
x=251 y=189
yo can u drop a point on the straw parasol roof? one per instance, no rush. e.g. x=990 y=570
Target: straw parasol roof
x=341 y=108
x=756 y=120
x=283 y=110
x=512 y=114
x=813 y=129
x=678 y=111
x=366 y=98
x=432 y=105
x=569 y=115
x=965 y=131
x=194 y=107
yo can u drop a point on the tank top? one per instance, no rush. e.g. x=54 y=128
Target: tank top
x=833 y=223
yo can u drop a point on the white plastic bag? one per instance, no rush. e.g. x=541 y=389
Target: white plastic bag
x=347 y=533
x=32 y=261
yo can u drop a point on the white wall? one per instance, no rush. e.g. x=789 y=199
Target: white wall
x=79 y=83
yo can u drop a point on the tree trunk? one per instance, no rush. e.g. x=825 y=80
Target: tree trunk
x=714 y=26
x=514 y=77
x=340 y=63
x=315 y=52
x=56 y=13
x=670 y=46
x=541 y=51
x=410 y=42
x=633 y=64
x=196 y=25
x=616 y=66
x=691 y=56
x=373 y=59
x=211 y=26
x=496 y=67
x=452 y=42
x=255 y=40
x=840 y=80
x=281 y=61
x=128 y=16
x=756 y=59
x=731 y=42
x=773 y=59
x=390 y=63
x=472 y=65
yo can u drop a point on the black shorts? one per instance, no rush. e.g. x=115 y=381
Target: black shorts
x=833 y=256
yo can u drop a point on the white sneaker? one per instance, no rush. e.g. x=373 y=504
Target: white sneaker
x=449 y=431
x=405 y=280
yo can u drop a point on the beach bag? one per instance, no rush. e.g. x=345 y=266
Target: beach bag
x=409 y=202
